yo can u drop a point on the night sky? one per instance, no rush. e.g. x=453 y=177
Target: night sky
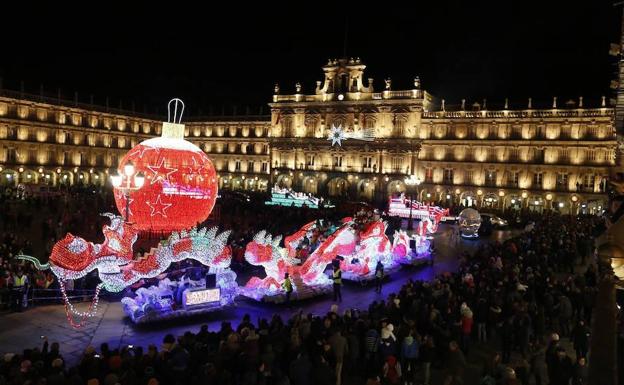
x=224 y=57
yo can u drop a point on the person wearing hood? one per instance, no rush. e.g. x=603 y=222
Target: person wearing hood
x=392 y=371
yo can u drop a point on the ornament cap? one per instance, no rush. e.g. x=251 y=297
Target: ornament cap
x=173 y=128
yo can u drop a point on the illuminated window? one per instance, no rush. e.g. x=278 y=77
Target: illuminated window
x=513 y=178
x=237 y=165
x=538 y=179
x=337 y=160
x=562 y=181
x=399 y=126
x=429 y=175
x=397 y=163
x=310 y=160
x=367 y=162
x=448 y=175
x=514 y=155
x=589 y=180
x=490 y=178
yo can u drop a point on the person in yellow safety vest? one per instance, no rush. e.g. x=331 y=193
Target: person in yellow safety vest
x=288 y=288
x=337 y=277
x=20 y=285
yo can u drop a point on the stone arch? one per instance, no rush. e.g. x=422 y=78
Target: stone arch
x=83 y=177
x=366 y=189
x=262 y=184
x=284 y=181
x=29 y=176
x=338 y=187
x=66 y=178
x=396 y=186
x=468 y=198
x=237 y=183
x=8 y=177
x=490 y=200
x=310 y=185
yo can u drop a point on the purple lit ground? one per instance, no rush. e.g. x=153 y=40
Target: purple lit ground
x=21 y=330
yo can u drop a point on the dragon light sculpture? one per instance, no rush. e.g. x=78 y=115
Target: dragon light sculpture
x=73 y=257
x=358 y=252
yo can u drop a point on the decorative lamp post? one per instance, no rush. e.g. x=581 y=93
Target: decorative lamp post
x=126 y=183
x=412 y=180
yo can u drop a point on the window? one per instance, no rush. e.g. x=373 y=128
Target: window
x=11 y=155
x=429 y=175
x=114 y=160
x=337 y=160
x=287 y=124
x=469 y=177
x=513 y=178
x=237 y=165
x=83 y=159
x=397 y=163
x=99 y=160
x=490 y=178
x=265 y=167
x=369 y=122
x=265 y=148
x=67 y=155
x=448 y=175
x=514 y=155
x=250 y=166
x=562 y=181
x=589 y=180
x=310 y=160
x=564 y=155
x=399 y=126
x=538 y=178
x=591 y=155
x=367 y=162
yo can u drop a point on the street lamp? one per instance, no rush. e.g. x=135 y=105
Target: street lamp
x=132 y=181
x=412 y=180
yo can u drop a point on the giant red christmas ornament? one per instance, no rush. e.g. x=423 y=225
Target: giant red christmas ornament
x=180 y=183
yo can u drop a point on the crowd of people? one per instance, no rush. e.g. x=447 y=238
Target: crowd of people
x=530 y=299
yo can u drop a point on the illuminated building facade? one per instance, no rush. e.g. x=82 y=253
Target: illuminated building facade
x=558 y=157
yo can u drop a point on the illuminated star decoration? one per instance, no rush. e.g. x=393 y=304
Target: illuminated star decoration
x=191 y=169
x=337 y=135
x=141 y=151
x=158 y=207
x=161 y=172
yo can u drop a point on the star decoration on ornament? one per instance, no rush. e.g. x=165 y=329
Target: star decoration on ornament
x=191 y=169
x=158 y=207
x=337 y=135
x=161 y=172
x=141 y=151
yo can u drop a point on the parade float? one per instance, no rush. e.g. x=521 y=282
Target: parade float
x=429 y=218
x=165 y=185
x=356 y=251
x=290 y=198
